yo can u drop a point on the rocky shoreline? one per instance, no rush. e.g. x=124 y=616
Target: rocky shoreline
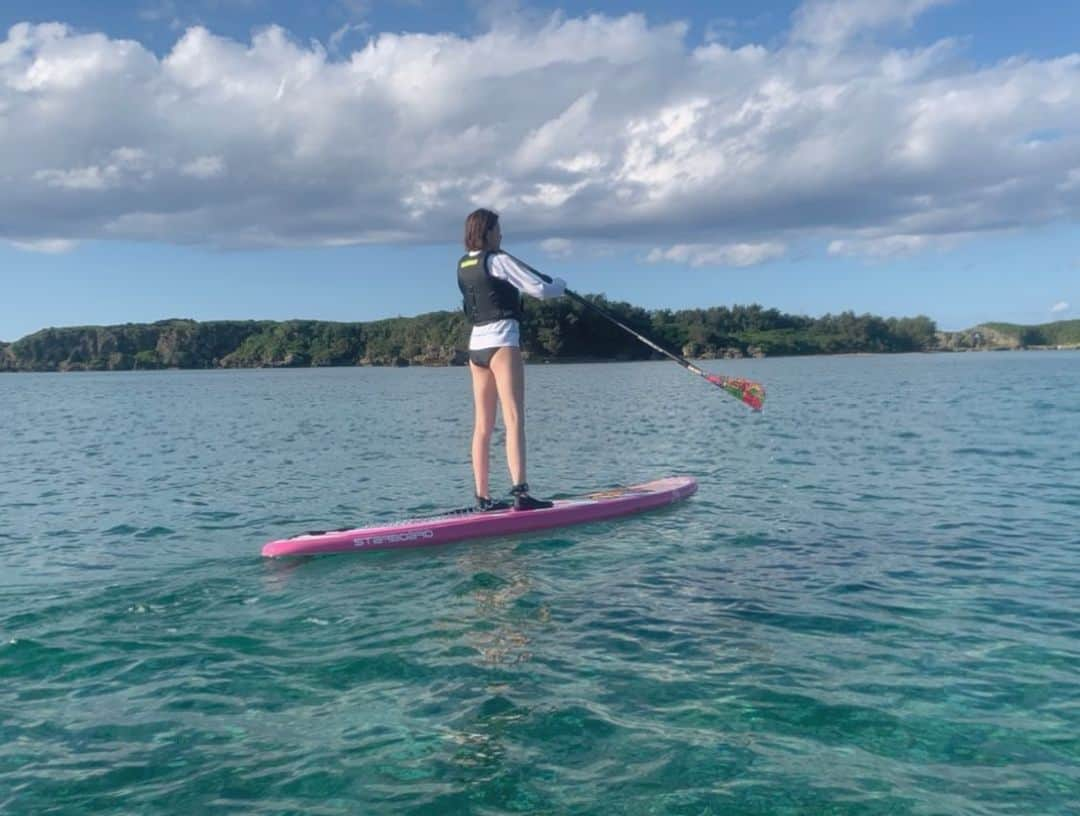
x=436 y=339
x=458 y=358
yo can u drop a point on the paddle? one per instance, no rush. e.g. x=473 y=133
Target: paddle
x=748 y=391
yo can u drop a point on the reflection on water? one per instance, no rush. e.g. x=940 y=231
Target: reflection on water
x=501 y=628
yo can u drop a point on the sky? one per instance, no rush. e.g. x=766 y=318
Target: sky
x=263 y=159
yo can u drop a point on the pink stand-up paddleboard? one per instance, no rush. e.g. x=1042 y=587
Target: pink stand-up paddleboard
x=428 y=532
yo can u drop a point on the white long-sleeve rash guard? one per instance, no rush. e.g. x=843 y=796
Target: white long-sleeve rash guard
x=508 y=332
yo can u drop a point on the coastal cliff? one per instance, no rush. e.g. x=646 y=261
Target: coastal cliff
x=1062 y=334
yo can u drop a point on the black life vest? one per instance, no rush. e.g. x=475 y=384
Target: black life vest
x=486 y=299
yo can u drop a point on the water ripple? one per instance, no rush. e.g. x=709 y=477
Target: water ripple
x=869 y=608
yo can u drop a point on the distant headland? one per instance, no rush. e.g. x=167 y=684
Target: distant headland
x=556 y=331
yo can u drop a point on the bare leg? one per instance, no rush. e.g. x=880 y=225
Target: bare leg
x=484 y=398
x=509 y=373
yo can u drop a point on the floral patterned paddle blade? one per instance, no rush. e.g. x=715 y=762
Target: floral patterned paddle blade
x=748 y=391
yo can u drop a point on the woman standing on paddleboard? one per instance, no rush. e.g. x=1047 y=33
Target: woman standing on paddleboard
x=492 y=284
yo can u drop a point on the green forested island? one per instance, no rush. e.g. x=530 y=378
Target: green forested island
x=557 y=330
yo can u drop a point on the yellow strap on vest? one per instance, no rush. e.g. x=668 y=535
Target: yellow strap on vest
x=468 y=263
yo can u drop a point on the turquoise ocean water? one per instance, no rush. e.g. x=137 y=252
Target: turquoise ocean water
x=872 y=606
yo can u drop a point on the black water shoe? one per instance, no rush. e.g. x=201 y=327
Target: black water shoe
x=490 y=505
x=523 y=501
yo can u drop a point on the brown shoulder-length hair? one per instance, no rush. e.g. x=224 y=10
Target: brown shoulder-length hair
x=477 y=226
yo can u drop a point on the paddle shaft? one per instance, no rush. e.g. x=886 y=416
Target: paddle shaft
x=600 y=310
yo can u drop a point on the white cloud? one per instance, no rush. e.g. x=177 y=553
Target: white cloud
x=874 y=243
x=737 y=255
x=356 y=8
x=1059 y=307
x=161 y=11
x=593 y=129
x=47 y=246
x=122 y=164
x=558 y=140
x=204 y=167
x=337 y=39
x=557 y=247
x=832 y=22
x=158 y=11
x=81 y=178
x=721 y=30
x=888 y=246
